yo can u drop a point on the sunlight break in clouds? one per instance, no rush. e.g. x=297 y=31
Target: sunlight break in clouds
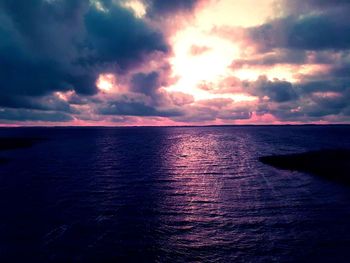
x=138 y=7
x=212 y=64
x=192 y=69
x=107 y=83
x=135 y=62
x=235 y=13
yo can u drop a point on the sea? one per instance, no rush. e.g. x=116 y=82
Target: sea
x=170 y=194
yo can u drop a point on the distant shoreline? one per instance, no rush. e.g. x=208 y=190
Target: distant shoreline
x=185 y=126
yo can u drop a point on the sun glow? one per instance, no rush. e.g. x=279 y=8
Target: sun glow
x=201 y=56
x=138 y=8
x=198 y=58
x=65 y=95
x=98 y=5
x=106 y=83
x=245 y=13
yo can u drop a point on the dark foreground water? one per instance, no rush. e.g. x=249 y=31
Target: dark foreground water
x=170 y=195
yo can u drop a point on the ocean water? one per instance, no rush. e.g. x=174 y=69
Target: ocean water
x=190 y=194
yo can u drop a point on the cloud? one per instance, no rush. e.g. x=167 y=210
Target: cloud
x=163 y=7
x=49 y=46
x=45 y=103
x=311 y=40
x=145 y=83
x=273 y=57
x=180 y=98
x=216 y=109
x=53 y=51
x=198 y=50
x=118 y=37
x=311 y=31
x=312 y=104
x=276 y=90
x=33 y=115
x=136 y=108
x=301 y=6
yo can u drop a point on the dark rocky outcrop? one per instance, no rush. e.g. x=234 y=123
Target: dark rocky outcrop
x=333 y=164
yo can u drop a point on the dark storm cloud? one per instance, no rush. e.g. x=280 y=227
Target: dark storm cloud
x=277 y=56
x=45 y=103
x=329 y=29
x=330 y=85
x=323 y=98
x=117 y=36
x=150 y=84
x=43 y=25
x=36 y=46
x=302 y=6
x=145 y=83
x=309 y=109
x=48 y=46
x=341 y=69
x=276 y=90
x=214 y=109
x=136 y=108
x=313 y=101
x=163 y=7
x=33 y=115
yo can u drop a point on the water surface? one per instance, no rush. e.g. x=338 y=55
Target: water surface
x=191 y=194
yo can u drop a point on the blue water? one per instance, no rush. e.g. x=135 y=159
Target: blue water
x=170 y=195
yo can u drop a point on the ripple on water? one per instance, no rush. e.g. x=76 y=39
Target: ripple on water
x=170 y=195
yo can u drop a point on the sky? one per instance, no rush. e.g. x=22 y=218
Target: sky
x=166 y=62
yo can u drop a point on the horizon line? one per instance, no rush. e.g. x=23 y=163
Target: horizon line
x=172 y=126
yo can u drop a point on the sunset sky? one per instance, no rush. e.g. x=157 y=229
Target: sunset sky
x=174 y=62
